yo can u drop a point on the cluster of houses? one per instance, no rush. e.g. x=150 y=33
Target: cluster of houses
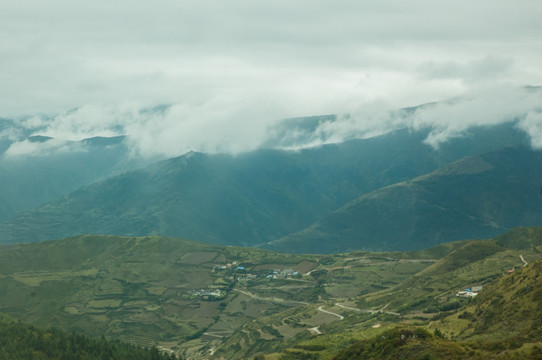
x=469 y=293
x=282 y=274
x=275 y=274
x=209 y=294
x=227 y=266
x=242 y=275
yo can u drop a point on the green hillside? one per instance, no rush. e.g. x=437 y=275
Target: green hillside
x=510 y=305
x=502 y=322
x=428 y=294
x=472 y=263
x=475 y=197
x=21 y=341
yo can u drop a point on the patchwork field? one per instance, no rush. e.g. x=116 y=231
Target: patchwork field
x=197 y=299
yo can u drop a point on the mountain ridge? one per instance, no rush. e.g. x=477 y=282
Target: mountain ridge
x=246 y=199
x=485 y=194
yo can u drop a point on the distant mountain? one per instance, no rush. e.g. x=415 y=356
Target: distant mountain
x=54 y=168
x=475 y=197
x=247 y=199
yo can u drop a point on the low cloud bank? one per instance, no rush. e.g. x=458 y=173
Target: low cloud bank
x=445 y=120
x=226 y=124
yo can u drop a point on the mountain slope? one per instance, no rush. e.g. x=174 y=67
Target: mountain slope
x=21 y=341
x=504 y=321
x=248 y=199
x=475 y=197
x=512 y=305
x=55 y=168
x=428 y=294
x=472 y=263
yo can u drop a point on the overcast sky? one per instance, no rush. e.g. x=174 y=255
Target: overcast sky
x=233 y=67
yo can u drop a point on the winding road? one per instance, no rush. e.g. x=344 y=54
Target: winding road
x=321 y=308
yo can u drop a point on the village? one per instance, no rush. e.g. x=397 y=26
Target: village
x=241 y=273
x=232 y=272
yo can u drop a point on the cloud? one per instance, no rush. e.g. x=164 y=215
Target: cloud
x=231 y=71
x=228 y=123
x=483 y=107
x=445 y=120
x=312 y=56
x=532 y=125
x=219 y=125
x=234 y=124
x=476 y=71
x=45 y=148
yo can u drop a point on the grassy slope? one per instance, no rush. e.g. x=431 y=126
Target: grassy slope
x=29 y=181
x=503 y=322
x=472 y=263
x=21 y=341
x=510 y=305
x=142 y=289
x=461 y=264
x=222 y=198
x=467 y=263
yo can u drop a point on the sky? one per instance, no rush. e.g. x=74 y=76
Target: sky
x=232 y=69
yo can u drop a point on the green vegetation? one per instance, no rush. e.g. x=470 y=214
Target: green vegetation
x=178 y=294
x=475 y=197
x=510 y=305
x=20 y=342
x=30 y=181
x=197 y=299
x=403 y=343
x=503 y=322
x=428 y=295
x=417 y=343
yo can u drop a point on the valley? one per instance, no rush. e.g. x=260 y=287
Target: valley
x=270 y=180
x=327 y=252
x=199 y=300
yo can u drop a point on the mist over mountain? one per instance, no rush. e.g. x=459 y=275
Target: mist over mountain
x=255 y=197
x=238 y=180
x=171 y=129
